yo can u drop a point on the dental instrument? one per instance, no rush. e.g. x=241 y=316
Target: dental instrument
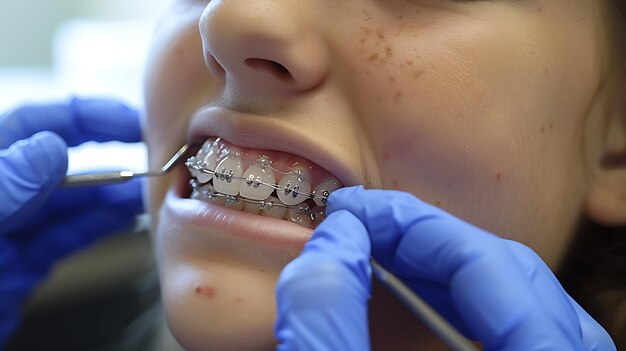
x=420 y=309
x=103 y=178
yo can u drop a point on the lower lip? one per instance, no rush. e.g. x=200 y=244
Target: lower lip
x=252 y=227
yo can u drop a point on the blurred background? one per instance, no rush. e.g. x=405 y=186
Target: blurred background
x=107 y=297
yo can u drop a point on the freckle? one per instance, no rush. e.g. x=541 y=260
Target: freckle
x=392 y=79
x=388 y=51
x=543 y=129
x=409 y=62
x=378 y=98
x=363 y=41
x=438 y=203
x=400 y=17
x=381 y=35
x=398 y=96
x=373 y=57
x=394 y=183
x=417 y=74
x=551 y=125
x=539 y=9
x=262 y=270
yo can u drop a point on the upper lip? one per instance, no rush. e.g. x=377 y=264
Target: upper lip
x=269 y=133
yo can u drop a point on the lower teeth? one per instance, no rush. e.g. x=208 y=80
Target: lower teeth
x=301 y=214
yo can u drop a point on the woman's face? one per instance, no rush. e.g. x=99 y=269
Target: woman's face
x=476 y=107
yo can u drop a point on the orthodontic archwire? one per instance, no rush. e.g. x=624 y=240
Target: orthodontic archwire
x=193 y=163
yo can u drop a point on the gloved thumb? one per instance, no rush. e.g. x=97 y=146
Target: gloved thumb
x=322 y=295
x=30 y=170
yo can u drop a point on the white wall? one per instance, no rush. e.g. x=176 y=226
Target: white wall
x=27 y=26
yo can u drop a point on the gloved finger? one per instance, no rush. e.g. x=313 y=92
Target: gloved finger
x=550 y=294
x=487 y=284
x=595 y=338
x=322 y=295
x=76 y=122
x=125 y=198
x=68 y=235
x=29 y=171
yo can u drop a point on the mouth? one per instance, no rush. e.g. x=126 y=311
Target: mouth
x=252 y=166
x=262 y=182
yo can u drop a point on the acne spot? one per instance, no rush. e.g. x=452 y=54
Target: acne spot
x=438 y=203
x=394 y=183
x=498 y=176
x=237 y=300
x=398 y=96
x=387 y=154
x=207 y=291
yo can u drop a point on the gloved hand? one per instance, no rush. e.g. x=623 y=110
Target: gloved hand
x=496 y=291
x=40 y=223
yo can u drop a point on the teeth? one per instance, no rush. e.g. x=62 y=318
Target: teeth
x=324 y=189
x=226 y=172
x=207 y=156
x=319 y=213
x=233 y=203
x=273 y=211
x=300 y=215
x=251 y=208
x=207 y=193
x=293 y=185
x=251 y=188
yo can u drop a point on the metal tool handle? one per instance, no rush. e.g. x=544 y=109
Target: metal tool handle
x=97 y=178
x=433 y=320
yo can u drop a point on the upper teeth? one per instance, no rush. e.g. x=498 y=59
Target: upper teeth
x=223 y=164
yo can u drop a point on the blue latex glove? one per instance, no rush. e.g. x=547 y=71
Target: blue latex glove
x=40 y=223
x=496 y=291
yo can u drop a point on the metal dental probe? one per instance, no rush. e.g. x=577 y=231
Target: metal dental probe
x=420 y=309
x=122 y=176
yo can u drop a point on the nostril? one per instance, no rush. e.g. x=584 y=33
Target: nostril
x=274 y=68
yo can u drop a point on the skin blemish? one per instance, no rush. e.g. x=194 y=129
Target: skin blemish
x=400 y=17
x=207 y=291
x=237 y=300
x=373 y=57
x=417 y=74
x=380 y=35
x=392 y=79
x=388 y=51
x=387 y=154
x=398 y=96
x=498 y=176
x=394 y=183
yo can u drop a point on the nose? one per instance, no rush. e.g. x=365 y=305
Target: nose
x=263 y=46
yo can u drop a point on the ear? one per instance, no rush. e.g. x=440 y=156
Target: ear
x=606 y=200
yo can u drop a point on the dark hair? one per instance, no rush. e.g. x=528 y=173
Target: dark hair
x=594 y=274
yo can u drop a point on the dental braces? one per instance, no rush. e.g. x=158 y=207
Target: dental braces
x=301 y=209
x=255 y=182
